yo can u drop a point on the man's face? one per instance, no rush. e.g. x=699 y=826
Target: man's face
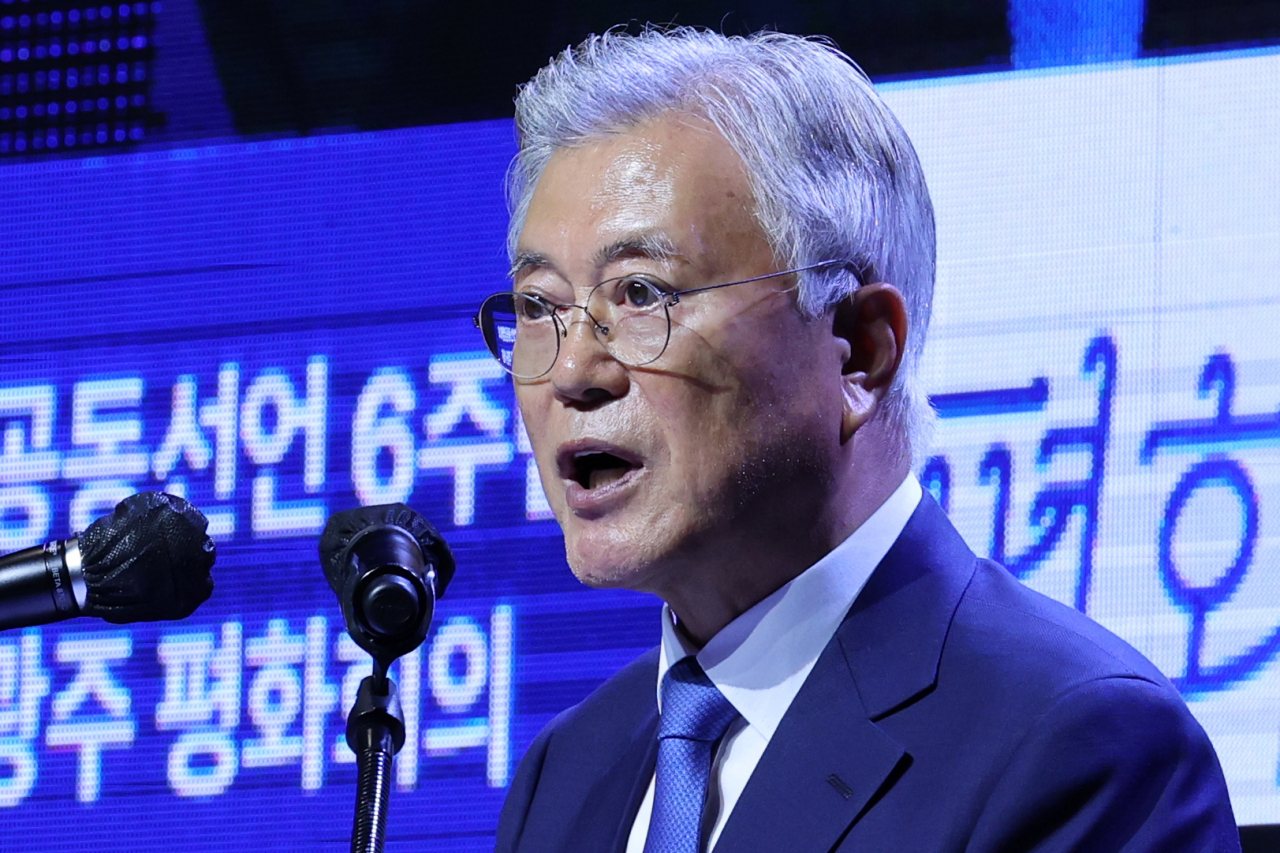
x=728 y=439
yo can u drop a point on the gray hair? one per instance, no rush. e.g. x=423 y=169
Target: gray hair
x=834 y=175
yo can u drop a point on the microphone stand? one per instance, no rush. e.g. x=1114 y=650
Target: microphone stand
x=382 y=561
x=375 y=733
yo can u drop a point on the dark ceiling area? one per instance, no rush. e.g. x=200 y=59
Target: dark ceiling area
x=1175 y=26
x=252 y=68
x=298 y=66
x=304 y=65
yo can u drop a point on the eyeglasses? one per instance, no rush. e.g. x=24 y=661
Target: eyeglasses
x=631 y=316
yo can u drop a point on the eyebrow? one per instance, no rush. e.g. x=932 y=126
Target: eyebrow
x=527 y=261
x=654 y=247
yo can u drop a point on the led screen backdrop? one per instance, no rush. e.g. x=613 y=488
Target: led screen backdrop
x=281 y=329
x=1106 y=365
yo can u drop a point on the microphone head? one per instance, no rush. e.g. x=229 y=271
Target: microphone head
x=147 y=561
x=387 y=565
x=345 y=526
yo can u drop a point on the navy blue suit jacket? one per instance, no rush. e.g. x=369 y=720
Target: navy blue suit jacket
x=954 y=710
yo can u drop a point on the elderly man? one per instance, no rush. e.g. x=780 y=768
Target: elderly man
x=723 y=264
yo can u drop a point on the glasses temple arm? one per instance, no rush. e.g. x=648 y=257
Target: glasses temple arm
x=820 y=265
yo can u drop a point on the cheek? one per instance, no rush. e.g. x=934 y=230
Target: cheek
x=754 y=395
x=688 y=409
x=706 y=416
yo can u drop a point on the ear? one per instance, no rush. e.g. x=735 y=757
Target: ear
x=873 y=323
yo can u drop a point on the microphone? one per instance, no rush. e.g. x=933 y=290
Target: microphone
x=148 y=560
x=388 y=565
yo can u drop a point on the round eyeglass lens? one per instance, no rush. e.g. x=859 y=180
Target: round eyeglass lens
x=634 y=312
x=521 y=333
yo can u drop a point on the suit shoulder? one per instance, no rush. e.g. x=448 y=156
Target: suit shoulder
x=1061 y=727
x=1039 y=641
x=620 y=703
x=1112 y=758
x=559 y=775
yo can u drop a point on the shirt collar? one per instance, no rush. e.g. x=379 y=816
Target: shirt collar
x=760 y=660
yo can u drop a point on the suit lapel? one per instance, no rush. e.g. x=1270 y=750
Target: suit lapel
x=605 y=815
x=829 y=759
x=895 y=631
x=824 y=764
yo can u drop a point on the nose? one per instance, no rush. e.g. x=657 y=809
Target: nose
x=585 y=375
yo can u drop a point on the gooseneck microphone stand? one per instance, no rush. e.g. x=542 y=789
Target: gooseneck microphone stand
x=375 y=733
x=387 y=564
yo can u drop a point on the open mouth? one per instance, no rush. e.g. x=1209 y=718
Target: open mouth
x=593 y=470
x=595 y=467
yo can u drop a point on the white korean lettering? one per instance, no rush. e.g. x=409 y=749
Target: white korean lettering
x=461 y=637
x=186 y=442
x=106 y=427
x=408 y=675
x=89 y=732
x=23 y=683
x=202 y=699
x=501 y=638
x=27 y=414
x=266 y=445
x=27 y=457
x=220 y=416
x=465 y=374
x=290 y=683
x=184 y=438
x=106 y=440
x=461 y=663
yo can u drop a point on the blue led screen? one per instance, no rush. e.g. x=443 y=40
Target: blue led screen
x=276 y=331
x=281 y=329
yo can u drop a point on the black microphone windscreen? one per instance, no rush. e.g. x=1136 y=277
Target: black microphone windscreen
x=344 y=525
x=149 y=560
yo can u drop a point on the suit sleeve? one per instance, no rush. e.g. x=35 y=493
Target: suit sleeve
x=515 y=809
x=1116 y=764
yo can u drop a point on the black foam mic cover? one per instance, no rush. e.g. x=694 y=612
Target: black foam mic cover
x=149 y=560
x=343 y=527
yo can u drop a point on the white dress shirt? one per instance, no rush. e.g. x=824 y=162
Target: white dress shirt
x=760 y=660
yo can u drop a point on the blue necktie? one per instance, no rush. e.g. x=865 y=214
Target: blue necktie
x=694 y=716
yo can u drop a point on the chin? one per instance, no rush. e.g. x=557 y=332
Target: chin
x=604 y=574
x=609 y=565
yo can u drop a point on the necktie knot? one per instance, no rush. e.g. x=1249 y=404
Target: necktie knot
x=692 y=707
